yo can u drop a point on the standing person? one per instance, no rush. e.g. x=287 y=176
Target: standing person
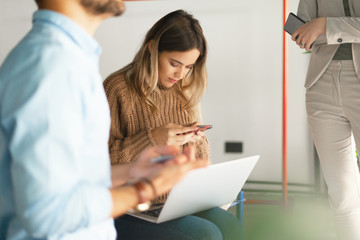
x=55 y=178
x=154 y=100
x=333 y=101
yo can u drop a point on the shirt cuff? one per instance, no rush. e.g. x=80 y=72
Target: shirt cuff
x=99 y=205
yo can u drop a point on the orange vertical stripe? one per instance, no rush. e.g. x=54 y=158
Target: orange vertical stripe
x=285 y=103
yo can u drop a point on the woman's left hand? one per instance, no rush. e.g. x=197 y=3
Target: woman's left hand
x=309 y=32
x=173 y=134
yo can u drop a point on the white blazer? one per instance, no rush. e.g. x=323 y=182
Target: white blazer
x=339 y=29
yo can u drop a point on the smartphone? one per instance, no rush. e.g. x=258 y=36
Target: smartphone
x=200 y=128
x=293 y=23
x=203 y=127
x=162 y=158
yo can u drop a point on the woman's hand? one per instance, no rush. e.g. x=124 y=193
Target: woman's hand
x=197 y=136
x=173 y=134
x=309 y=32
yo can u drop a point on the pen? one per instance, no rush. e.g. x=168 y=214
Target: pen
x=162 y=158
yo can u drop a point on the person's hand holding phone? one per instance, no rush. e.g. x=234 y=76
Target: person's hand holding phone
x=199 y=132
x=173 y=134
x=145 y=165
x=306 y=34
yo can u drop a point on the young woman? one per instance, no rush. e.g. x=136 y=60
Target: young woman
x=154 y=100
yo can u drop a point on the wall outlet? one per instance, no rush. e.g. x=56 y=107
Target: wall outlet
x=233 y=147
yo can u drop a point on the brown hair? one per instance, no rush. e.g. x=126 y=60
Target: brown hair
x=177 y=31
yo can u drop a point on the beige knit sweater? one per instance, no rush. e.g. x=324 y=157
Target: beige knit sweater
x=131 y=129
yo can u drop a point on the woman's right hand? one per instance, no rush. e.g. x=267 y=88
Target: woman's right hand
x=173 y=134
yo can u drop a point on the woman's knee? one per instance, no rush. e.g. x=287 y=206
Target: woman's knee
x=185 y=228
x=210 y=231
x=194 y=228
x=229 y=225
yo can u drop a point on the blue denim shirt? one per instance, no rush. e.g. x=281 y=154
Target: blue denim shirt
x=54 y=129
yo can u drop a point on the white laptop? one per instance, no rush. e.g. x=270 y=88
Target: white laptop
x=202 y=189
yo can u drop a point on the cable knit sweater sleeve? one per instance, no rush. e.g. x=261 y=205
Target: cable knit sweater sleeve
x=123 y=148
x=202 y=148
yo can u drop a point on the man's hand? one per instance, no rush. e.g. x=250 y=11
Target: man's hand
x=309 y=32
x=143 y=167
x=173 y=171
x=163 y=176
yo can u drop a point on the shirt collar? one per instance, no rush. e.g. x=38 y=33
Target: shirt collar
x=72 y=29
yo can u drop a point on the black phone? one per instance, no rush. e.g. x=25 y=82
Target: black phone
x=293 y=23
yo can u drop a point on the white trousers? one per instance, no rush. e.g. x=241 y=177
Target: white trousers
x=333 y=108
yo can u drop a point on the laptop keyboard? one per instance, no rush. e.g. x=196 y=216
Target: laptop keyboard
x=153 y=213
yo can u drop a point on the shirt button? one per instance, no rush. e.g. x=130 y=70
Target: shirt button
x=339 y=39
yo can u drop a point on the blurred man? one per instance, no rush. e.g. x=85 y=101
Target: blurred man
x=55 y=178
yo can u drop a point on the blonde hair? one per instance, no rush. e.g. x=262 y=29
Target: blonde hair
x=177 y=31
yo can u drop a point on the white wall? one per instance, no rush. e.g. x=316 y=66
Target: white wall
x=244 y=96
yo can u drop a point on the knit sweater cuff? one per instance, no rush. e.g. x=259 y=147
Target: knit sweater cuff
x=148 y=131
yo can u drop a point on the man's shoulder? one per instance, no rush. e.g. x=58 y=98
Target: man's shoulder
x=33 y=49
x=33 y=62
x=37 y=50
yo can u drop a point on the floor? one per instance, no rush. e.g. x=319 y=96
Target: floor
x=306 y=218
